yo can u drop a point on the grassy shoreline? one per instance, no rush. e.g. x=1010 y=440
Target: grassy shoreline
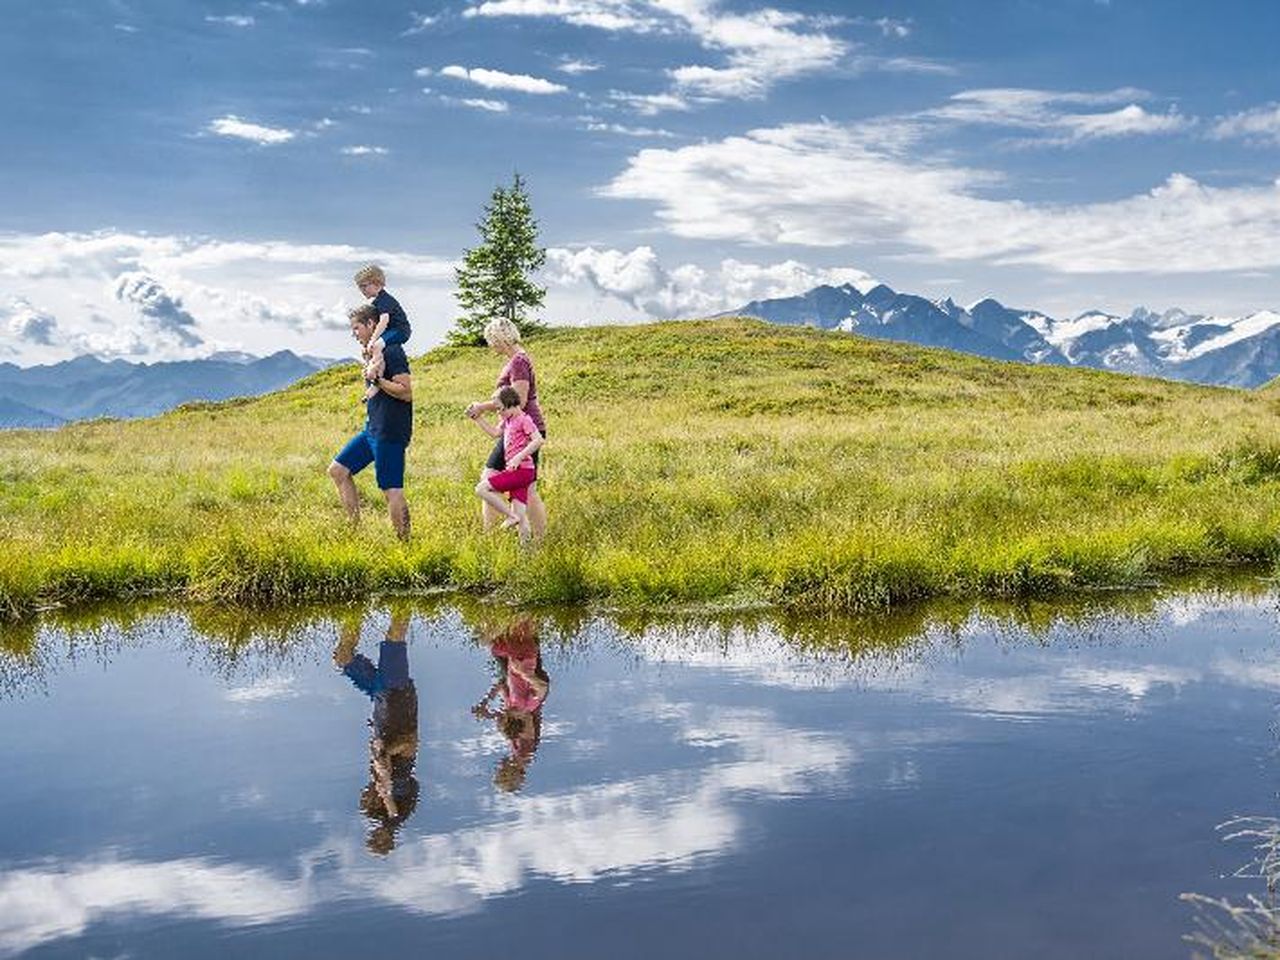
x=715 y=462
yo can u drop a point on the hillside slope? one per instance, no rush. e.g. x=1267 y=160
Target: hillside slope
x=724 y=460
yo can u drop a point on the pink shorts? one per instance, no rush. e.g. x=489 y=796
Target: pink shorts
x=515 y=482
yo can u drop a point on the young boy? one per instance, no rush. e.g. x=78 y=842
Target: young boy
x=392 y=327
x=520 y=440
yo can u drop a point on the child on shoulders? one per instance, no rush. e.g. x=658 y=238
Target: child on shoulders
x=392 y=326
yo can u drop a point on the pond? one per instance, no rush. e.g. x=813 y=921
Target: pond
x=466 y=781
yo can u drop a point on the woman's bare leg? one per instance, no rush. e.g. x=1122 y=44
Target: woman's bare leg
x=488 y=515
x=537 y=513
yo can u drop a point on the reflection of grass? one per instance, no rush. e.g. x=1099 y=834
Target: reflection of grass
x=1248 y=929
x=710 y=462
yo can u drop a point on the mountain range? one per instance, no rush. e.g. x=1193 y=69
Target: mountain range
x=1226 y=351
x=86 y=387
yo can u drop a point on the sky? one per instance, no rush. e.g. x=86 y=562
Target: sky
x=183 y=178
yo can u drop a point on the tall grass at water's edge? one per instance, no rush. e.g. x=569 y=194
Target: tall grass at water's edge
x=724 y=462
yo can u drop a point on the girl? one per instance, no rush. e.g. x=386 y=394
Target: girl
x=521 y=439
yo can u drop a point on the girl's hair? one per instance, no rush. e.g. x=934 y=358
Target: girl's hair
x=509 y=397
x=500 y=332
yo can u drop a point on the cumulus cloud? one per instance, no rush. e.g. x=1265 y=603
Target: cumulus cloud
x=500 y=80
x=232 y=20
x=828 y=185
x=759 y=48
x=258 y=296
x=29 y=323
x=638 y=278
x=364 y=150
x=232 y=126
x=164 y=310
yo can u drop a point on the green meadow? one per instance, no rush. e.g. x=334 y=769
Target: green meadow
x=721 y=463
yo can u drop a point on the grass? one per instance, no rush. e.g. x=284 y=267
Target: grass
x=712 y=463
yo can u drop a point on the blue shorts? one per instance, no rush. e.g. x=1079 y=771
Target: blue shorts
x=394 y=335
x=387 y=458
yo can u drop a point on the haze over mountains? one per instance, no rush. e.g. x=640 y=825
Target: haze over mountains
x=1226 y=351
x=46 y=396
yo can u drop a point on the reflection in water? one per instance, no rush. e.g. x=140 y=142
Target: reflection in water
x=522 y=685
x=392 y=793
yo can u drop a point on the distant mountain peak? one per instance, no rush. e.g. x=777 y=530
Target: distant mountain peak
x=1241 y=351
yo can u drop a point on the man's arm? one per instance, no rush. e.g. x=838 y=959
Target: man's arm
x=400 y=386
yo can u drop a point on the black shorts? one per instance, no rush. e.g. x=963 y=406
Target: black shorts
x=498 y=456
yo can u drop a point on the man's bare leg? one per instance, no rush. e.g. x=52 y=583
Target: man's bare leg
x=398 y=508
x=347 y=492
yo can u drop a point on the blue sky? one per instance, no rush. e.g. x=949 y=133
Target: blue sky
x=192 y=176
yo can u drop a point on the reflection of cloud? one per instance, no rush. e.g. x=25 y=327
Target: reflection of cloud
x=267 y=688
x=41 y=904
x=665 y=820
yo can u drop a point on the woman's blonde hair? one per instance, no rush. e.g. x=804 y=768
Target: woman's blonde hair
x=501 y=332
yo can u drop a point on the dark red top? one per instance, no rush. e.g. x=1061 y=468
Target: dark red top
x=520 y=367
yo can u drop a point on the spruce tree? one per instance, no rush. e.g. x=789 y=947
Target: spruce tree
x=494 y=279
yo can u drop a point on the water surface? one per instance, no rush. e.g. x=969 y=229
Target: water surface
x=961 y=784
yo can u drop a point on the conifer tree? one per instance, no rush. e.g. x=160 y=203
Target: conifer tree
x=495 y=278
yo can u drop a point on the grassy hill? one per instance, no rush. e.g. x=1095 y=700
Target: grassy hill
x=689 y=462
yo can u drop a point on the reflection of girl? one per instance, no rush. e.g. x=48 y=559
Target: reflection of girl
x=392 y=792
x=523 y=684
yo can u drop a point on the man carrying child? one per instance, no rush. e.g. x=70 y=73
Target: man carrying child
x=387 y=431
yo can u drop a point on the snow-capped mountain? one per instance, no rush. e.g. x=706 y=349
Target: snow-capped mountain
x=1228 y=351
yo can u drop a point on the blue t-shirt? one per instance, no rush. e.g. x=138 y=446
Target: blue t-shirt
x=398 y=321
x=389 y=418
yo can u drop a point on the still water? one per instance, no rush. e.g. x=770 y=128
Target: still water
x=448 y=782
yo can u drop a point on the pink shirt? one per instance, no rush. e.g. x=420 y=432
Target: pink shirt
x=517 y=433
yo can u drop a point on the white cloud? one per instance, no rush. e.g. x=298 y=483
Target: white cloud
x=109 y=289
x=420 y=23
x=233 y=126
x=499 y=80
x=574 y=67
x=1048 y=111
x=633 y=16
x=363 y=150
x=479 y=103
x=1259 y=125
x=760 y=47
x=29 y=323
x=599 y=126
x=893 y=28
x=828 y=185
x=638 y=278
x=232 y=20
x=650 y=104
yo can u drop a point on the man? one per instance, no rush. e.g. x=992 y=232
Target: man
x=386 y=433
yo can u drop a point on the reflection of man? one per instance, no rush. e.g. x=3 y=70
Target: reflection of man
x=523 y=685
x=385 y=436
x=392 y=793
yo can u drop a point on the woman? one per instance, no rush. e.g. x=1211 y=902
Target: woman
x=503 y=337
